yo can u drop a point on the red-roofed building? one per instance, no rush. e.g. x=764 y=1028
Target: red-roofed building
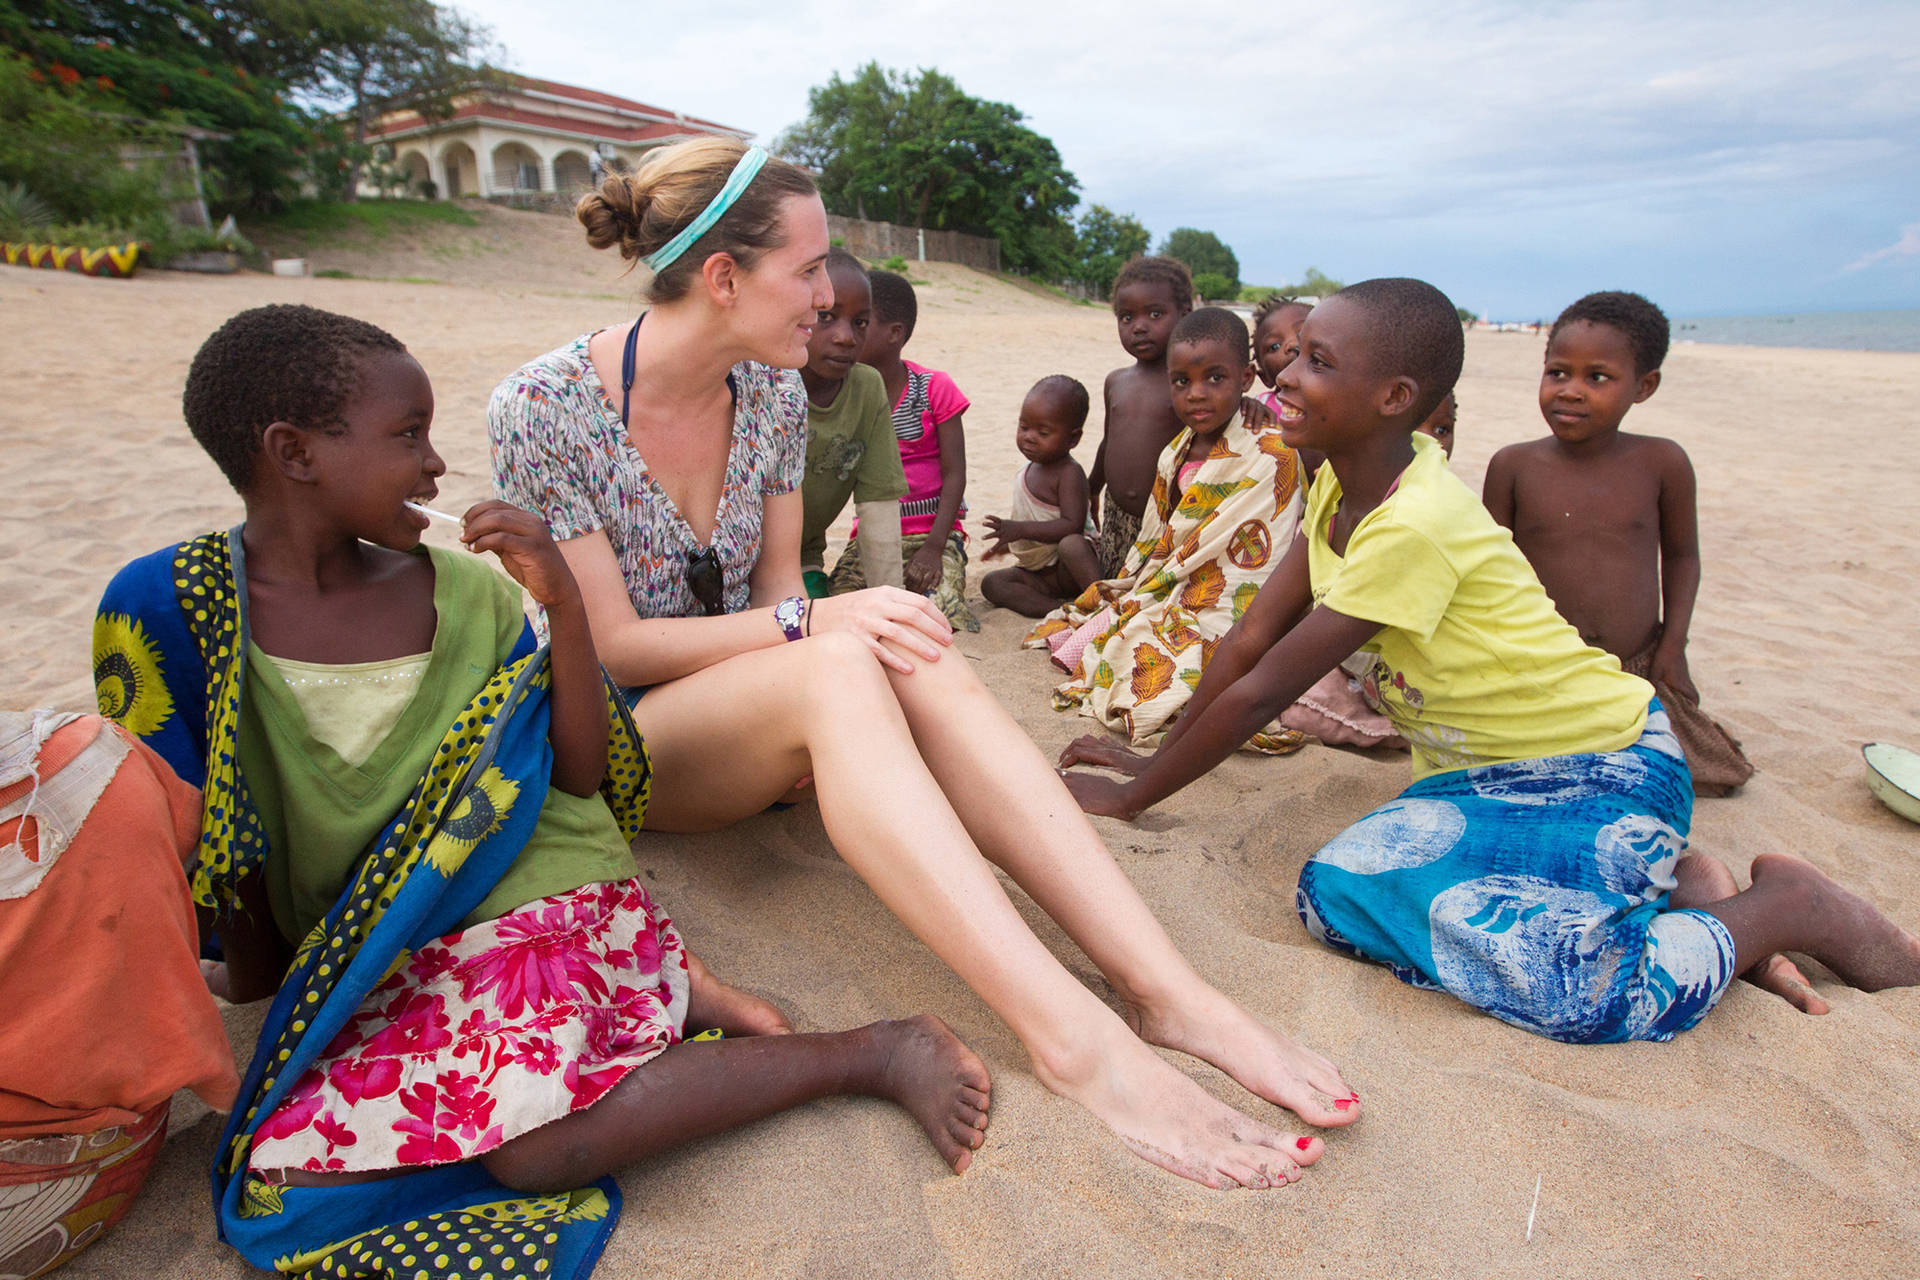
x=526 y=136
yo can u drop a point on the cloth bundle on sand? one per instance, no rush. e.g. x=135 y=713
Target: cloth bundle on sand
x=107 y=1012
x=1714 y=757
x=1137 y=644
x=171 y=637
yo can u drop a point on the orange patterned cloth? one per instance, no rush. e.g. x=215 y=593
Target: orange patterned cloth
x=1198 y=564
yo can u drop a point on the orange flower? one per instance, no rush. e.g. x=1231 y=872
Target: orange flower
x=103 y=81
x=64 y=74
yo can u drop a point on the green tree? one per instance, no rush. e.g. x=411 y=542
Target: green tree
x=1214 y=287
x=1105 y=241
x=1312 y=285
x=1204 y=251
x=917 y=150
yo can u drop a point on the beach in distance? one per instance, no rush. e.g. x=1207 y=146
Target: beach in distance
x=1763 y=1143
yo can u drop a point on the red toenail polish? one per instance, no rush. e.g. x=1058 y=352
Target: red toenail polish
x=1303 y=1143
x=1343 y=1104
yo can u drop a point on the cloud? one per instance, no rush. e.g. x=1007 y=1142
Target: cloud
x=1907 y=246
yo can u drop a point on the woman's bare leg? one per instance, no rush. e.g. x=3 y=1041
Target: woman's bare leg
x=726 y=741
x=1021 y=815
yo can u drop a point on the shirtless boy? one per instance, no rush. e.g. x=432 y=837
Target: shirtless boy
x=1149 y=297
x=1608 y=519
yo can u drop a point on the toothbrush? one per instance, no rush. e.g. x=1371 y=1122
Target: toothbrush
x=429 y=511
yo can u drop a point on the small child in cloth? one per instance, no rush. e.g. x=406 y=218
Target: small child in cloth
x=1048 y=533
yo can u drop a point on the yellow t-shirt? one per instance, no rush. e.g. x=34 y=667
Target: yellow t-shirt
x=1474 y=666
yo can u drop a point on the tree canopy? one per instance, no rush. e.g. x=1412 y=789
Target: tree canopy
x=1204 y=251
x=916 y=150
x=1106 y=240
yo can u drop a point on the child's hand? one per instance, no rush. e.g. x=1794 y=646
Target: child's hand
x=525 y=548
x=1257 y=413
x=1103 y=796
x=1102 y=752
x=1670 y=669
x=923 y=570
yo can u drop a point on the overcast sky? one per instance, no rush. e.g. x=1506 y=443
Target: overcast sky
x=1717 y=157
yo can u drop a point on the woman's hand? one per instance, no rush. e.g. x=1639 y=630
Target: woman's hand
x=900 y=618
x=525 y=548
x=1103 y=796
x=1103 y=753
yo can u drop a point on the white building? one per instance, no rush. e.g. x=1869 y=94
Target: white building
x=528 y=136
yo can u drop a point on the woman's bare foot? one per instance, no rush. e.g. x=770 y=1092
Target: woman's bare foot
x=1209 y=1026
x=1704 y=879
x=1846 y=933
x=943 y=1084
x=1168 y=1120
x=712 y=1003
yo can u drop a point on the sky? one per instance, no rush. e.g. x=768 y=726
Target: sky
x=1720 y=158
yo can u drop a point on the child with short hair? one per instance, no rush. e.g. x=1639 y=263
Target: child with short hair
x=1276 y=341
x=1439 y=424
x=851 y=451
x=927 y=409
x=416 y=829
x=1534 y=867
x=1150 y=295
x=1048 y=533
x=1607 y=519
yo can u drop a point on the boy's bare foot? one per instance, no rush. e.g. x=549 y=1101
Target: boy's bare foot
x=712 y=1003
x=1850 y=935
x=942 y=1083
x=1209 y=1026
x=1170 y=1121
x=1704 y=879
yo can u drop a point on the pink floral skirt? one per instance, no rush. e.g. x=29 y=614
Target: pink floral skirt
x=487 y=1033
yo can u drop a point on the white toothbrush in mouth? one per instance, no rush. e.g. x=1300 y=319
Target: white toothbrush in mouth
x=418 y=509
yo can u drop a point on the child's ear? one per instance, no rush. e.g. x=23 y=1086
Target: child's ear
x=288 y=450
x=1246 y=379
x=1399 y=397
x=1649 y=383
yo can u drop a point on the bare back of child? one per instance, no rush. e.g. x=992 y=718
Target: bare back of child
x=1047 y=531
x=1608 y=519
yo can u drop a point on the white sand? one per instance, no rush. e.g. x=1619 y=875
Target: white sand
x=1763 y=1143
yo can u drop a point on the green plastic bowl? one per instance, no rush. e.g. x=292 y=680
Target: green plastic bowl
x=1893 y=774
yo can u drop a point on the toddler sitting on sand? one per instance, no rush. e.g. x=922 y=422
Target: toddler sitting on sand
x=1048 y=533
x=1607 y=519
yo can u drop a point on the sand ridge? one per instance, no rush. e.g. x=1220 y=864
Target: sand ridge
x=1763 y=1143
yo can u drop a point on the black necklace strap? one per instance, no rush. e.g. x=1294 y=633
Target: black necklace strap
x=627 y=371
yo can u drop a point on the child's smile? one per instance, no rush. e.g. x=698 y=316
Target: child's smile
x=1323 y=390
x=1589 y=382
x=1276 y=339
x=383 y=459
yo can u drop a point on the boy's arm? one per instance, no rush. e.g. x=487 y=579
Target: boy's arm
x=878 y=486
x=578 y=727
x=1497 y=491
x=1097 y=478
x=255 y=955
x=924 y=572
x=1679 y=569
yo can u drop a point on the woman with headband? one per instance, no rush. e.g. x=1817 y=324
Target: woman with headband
x=665 y=455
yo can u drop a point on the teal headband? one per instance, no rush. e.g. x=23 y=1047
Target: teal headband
x=749 y=164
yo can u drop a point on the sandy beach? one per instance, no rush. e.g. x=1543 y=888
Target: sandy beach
x=1763 y=1143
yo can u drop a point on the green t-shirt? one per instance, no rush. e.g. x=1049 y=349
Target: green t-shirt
x=851 y=453
x=1474 y=665
x=321 y=813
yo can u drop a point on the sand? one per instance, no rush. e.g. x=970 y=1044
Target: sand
x=1763 y=1143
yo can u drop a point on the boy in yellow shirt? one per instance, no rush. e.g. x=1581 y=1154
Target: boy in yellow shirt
x=1534 y=868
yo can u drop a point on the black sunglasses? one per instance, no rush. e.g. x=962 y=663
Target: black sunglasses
x=707 y=581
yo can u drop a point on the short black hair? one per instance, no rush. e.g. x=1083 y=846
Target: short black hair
x=893 y=300
x=1644 y=324
x=1167 y=271
x=1214 y=324
x=1071 y=393
x=280 y=363
x=838 y=257
x=1416 y=333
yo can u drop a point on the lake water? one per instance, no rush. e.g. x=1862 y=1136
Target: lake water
x=1846 y=330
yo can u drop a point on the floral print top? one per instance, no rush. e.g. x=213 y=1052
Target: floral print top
x=561 y=451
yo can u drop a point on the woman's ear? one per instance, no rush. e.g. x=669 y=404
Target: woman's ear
x=721 y=275
x=286 y=449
